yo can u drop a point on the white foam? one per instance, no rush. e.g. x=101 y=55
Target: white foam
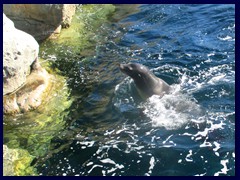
x=179 y=110
x=217 y=146
x=90 y=163
x=171 y=111
x=111 y=170
x=227 y=38
x=109 y=132
x=188 y=157
x=94 y=166
x=216 y=79
x=205 y=144
x=224 y=169
x=203 y=174
x=103 y=172
x=107 y=160
x=186 y=134
x=210 y=54
x=204 y=134
x=119 y=166
x=164 y=142
x=87 y=143
x=152 y=163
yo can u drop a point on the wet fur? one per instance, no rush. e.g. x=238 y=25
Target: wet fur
x=146 y=82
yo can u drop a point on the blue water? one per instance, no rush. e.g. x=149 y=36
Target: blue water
x=189 y=132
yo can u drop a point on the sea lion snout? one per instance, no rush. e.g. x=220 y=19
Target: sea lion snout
x=121 y=66
x=125 y=68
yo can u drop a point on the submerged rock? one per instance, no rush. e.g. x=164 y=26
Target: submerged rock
x=17 y=162
x=40 y=20
x=34 y=130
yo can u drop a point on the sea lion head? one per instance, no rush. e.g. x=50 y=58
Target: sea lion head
x=134 y=70
x=147 y=83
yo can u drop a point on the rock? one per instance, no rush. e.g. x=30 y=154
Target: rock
x=37 y=128
x=7 y=162
x=24 y=80
x=19 y=52
x=30 y=95
x=68 y=12
x=40 y=20
x=16 y=162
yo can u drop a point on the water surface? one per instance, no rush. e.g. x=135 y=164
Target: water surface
x=189 y=132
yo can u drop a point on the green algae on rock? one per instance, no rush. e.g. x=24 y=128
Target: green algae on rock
x=32 y=131
x=30 y=95
x=81 y=34
x=17 y=162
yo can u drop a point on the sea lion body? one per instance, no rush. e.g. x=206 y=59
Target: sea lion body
x=146 y=82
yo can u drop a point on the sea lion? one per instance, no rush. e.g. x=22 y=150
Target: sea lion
x=146 y=82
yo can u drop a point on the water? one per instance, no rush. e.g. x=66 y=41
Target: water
x=190 y=132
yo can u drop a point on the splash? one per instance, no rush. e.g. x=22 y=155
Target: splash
x=172 y=111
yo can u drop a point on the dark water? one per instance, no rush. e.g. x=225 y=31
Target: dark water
x=189 y=132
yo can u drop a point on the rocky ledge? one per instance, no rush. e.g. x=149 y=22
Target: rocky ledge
x=40 y=20
x=24 y=80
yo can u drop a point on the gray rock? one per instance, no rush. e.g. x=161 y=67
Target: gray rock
x=24 y=80
x=30 y=95
x=20 y=50
x=40 y=20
